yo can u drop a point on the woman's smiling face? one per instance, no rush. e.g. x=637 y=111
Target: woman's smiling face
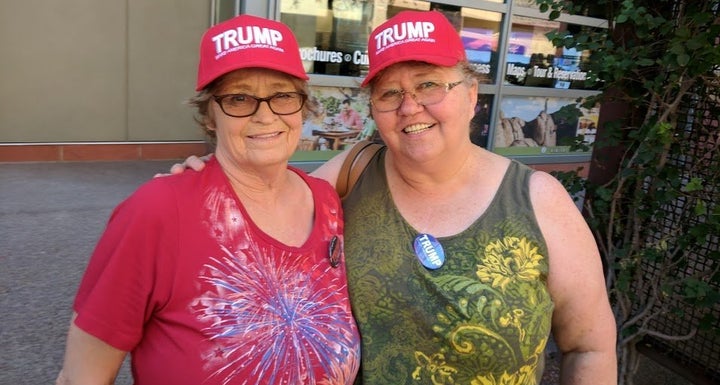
x=263 y=138
x=418 y=130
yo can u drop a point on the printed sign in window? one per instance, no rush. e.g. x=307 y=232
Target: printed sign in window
x=533 y=61
x=544 y=126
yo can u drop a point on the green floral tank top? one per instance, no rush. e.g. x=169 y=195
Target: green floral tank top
x=483 y=318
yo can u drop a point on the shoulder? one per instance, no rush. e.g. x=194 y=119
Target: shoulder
x=555 y=211
x=159 y=189
x=543 y=182
x=549 y=196
x=149 y=194
x=158 y=195
x=330 y=170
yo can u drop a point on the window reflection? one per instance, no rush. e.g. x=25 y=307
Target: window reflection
x=333 y=33
x=592 y=9
x=222 y=10
x=532 y=60
x=480 y=34
x=480 y=123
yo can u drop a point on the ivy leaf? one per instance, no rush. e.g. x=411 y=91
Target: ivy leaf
x=695 y=184
x=683 y=60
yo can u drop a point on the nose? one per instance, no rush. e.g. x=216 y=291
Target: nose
x=409 y=105
x=263 y=112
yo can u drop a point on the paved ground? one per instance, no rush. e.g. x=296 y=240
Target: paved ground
x=51 y=215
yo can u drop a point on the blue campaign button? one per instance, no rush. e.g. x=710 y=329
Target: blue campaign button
x=429 y=251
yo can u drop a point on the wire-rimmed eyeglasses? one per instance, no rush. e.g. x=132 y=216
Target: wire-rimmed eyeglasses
x=243 y=105
x=425 y=93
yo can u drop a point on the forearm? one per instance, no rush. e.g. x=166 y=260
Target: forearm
x=588 y=368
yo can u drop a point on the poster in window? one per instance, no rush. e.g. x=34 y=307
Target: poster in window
x=544 y=126
x=339 y=118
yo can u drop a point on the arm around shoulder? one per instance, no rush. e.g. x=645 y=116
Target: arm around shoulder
x=583 y=323
x=329 y=170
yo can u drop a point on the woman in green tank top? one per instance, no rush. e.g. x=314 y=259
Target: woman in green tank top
x=461 y=262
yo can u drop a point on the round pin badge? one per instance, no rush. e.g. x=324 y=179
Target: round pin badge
x=335 y=249
x=429 y=251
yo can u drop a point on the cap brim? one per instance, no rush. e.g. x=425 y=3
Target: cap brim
x=443 y=61
x=252 y=64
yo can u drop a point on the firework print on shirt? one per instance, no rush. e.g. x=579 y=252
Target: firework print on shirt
x=274 y=313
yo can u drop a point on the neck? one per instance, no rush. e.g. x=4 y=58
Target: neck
x=447 y=200
x=259 y=184
x=435 y=175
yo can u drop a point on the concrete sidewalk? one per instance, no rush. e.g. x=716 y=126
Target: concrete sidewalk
x=51 y=215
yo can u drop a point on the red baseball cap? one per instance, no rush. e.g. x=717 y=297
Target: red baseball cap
x=248 y=41
x=426 y=36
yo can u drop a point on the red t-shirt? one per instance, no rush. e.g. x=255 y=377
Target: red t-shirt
x=184 y=280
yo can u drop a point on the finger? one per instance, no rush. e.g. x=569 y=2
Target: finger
x=196 y=163
x=177 y=168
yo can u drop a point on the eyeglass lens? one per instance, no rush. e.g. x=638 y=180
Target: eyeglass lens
x=242 y=105
x=425 y=93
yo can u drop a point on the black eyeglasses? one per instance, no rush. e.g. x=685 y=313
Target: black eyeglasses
x=243 y=105
x=425 y=93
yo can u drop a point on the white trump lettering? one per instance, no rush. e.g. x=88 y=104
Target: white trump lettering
x=429 y=250
x=244 y=36
x=403 y=31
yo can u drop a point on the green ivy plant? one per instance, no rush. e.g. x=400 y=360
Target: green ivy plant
x=658 y=211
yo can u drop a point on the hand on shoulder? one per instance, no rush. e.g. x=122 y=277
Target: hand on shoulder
x=193 y=162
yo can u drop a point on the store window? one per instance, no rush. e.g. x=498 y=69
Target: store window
x=333 y=33
x=333 y=41
x=480 y=32
x=595 y=9
x=532 y=60
x=528 y=101
x=222 y=10
x=480 y=124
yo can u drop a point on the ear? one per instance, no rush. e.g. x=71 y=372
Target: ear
x=473 y=89
x=210 y=124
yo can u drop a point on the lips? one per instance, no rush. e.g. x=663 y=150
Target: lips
x=417 y=128
x=264 y=136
